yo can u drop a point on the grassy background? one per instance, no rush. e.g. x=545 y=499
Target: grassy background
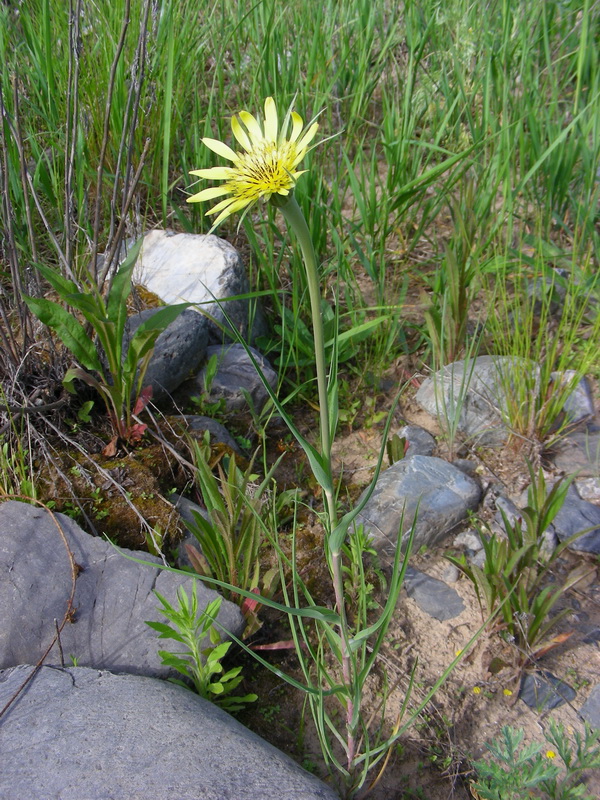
x=466 y=162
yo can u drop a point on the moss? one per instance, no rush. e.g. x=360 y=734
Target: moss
x=117 y=497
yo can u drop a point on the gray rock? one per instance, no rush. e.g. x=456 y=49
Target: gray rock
x=187 y=509
x=235 y=373
x=579 y=452
x=179 y=350
x=442 y=493
x=589 y=489
x=470 y=540
x=113 y=596
x=590 y=710
x=579 y=405
x=432 y=596
x=420 y=441
x=218 y=432
x=543 y=691
x=513 y=514
x=205 y=270
x=472 y=395
x=82 y=733
x=578 y=515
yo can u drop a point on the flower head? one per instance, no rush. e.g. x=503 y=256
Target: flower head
x=266 y=165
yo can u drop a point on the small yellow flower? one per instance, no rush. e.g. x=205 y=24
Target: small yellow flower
x=265 y=167
x=458 y=653
x=477 y=690
x=550 y=754
x=507 y=692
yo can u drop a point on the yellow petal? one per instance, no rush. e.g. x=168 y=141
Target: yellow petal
x=254 y=129
x=296 y=126
x=240 y=134
x=212 y=192
x=214 y=173
x=308 y=136
x=270 y=120
x=229 y=201
x=220 y=148
x=237 y=205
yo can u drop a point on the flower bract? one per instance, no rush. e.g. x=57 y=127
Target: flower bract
x=265 y=165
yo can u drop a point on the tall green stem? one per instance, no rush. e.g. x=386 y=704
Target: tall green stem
x=295 y=220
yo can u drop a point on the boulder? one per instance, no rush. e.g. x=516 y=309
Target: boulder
x=85 y=733
x=179 y=350
x=114 y=596
x=472 y=396
x=437 y=492
x=204 y=270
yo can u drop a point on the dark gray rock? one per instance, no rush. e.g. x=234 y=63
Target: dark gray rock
x=578 y=515
x=204 y=270
x=235 y=373
x=442 y=493
x=420 y=441
x=218 y=432
x=543 y=691
x=83 y=733
x=179 y=350
x=590 y=710
x=432 y=596
x=114 y=596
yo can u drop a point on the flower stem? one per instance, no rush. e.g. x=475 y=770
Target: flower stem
x=295 y=220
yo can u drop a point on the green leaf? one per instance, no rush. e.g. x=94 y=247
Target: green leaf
x=120 y=290
x=67 y=328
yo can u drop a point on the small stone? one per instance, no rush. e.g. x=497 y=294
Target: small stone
x=470 y=540
x=543 y=691
x=432 y=596
x=218 y=432
x=589 y=489
x=420 y=441
x=451 y=574
x=236 y=376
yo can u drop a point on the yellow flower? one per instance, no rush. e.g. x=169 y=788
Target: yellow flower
x=550 y=754
x=507 y=692
x=477 y=690
x=265 y=167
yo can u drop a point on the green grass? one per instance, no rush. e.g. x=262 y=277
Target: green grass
x=431 y=103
